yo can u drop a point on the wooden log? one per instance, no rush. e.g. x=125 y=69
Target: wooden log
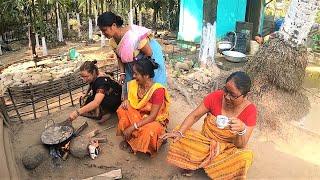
x=80 y=128
x=114 y=174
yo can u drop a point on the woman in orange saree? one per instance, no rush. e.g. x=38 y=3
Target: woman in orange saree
x=144 y=115
x=219 y=148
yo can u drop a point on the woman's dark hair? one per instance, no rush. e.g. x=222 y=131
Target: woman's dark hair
x=89 y=66
x=241 y=80
x=108 y=18
x=146 y=66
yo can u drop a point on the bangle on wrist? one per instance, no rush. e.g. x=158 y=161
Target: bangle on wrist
x=135 y=126
x=181 y=134
x=243 y=132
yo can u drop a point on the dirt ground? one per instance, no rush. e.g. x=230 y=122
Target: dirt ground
x=294 y=157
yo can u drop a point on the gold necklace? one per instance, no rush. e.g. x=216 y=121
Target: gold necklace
x=143 y=91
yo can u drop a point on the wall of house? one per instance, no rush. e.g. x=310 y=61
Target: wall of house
x=228 y=13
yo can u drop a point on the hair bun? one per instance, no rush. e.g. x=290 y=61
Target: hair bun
x=153 y=62
x=94 y=61
x=119 y=20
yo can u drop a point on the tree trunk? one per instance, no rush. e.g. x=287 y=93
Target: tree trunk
x=56 y=15
x=90 y=8
x=108 y=2
x=46 y=11
x=79 y=22
x=171 y=14
x=87 y=8
x=101 y=6
x=33 y=12
x=299 y=20
x=208 y=38
x=97 y=7
x=90 y=29
x=177 y=16
x=33 y=44
x=31 y=31
x=156 y=7
x=140 y=16
x=118 y=5
x=136 y=13
x=77 y=7
x=44 y=46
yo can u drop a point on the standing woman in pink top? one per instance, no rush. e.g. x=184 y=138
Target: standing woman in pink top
x=131 y=43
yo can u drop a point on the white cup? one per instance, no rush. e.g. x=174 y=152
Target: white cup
x=222 y=121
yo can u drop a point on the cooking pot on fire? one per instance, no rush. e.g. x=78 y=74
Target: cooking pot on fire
x=56 y=133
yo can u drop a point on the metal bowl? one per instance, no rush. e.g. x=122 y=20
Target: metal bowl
x=224 y=46
x=234 y=56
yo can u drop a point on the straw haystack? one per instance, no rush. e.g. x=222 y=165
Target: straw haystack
x=279 y=64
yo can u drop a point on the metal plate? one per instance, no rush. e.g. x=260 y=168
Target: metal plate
x=56 y=134
x=234 y=56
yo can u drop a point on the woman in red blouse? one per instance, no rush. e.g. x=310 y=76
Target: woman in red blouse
x=219 y=150
x=144 y=115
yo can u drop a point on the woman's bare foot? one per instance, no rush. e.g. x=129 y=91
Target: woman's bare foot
x=124 y=145
x=104 y=118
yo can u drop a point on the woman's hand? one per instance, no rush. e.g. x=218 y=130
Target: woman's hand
x=175 y=135
x=127 y=132
x=73 y=115
x=125 y=104
x=236 y=124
